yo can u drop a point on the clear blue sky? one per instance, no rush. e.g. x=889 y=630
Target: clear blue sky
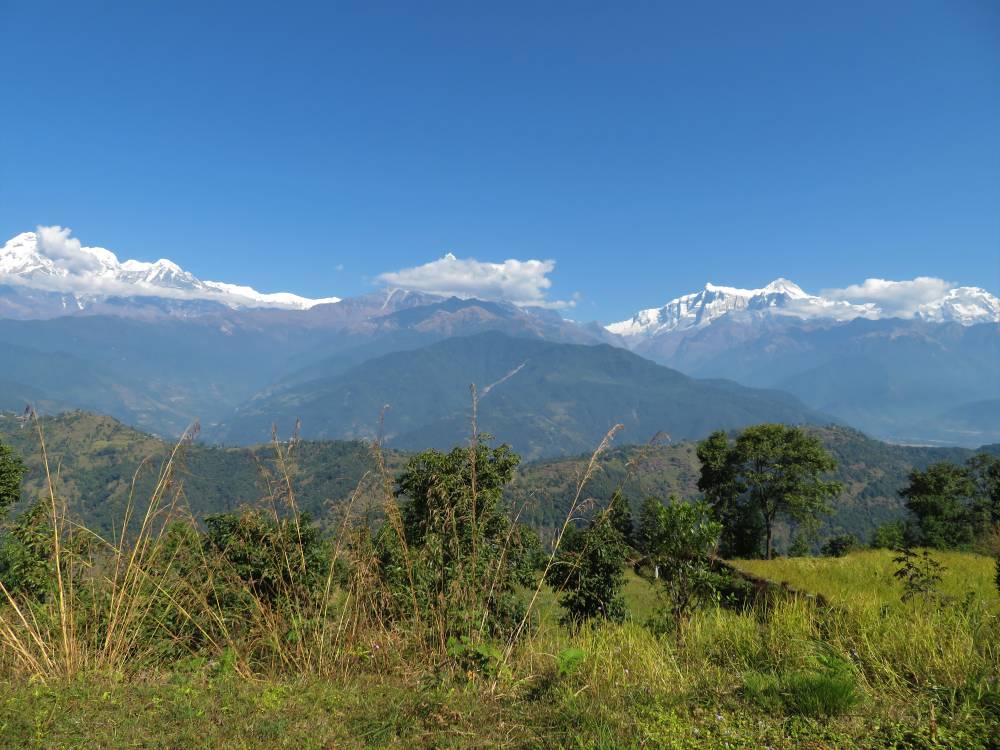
x=645 y=147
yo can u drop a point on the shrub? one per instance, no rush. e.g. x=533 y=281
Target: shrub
x=589 y=571
x=841 y=545
x=677 y=541
x=920 y=574
x=889 y=535
x=448 y=555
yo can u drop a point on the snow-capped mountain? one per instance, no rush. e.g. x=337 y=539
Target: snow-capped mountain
x=965 y=305
x=50 y=262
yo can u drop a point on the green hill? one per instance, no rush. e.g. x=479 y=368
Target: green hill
x=96 y=458
x=546 y=399
x=871 y=471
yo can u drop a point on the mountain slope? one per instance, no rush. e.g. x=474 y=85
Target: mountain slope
x=544 y=398
x=98 y=458
x=162 y=372
x=890 y=378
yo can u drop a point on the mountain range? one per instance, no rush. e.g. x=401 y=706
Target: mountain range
x=908 y=379
x=48 y=273
x=155 y=346
x=785 y=299
x=543 y=398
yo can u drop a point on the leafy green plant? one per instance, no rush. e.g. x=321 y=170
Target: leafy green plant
x=920 y=574
x=589 y=573
x=677 y=541
x=475 y=658
x=569 y=660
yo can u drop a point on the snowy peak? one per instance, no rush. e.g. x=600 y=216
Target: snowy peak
x=51 y=261
x=965 y=305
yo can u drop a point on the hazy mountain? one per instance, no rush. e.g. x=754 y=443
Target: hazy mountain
x=161 y=372
x=888 y=376
x=544 y=398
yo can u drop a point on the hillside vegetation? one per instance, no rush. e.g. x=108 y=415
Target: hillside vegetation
x=98 y=458
x=439 y=631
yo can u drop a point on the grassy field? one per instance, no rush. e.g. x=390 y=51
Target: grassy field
x=875 y=674
x=867 y=577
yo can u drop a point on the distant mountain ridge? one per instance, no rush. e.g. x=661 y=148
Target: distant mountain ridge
x=911 y=380
x=55 y=275
x=964 y=305
x=155 y=346
x=544 y=398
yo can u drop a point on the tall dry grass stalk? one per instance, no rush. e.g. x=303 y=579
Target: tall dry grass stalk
x=98 y=608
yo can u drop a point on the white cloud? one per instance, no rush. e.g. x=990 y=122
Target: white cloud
x=894 y=298
x=65 y=251
x=521 y=282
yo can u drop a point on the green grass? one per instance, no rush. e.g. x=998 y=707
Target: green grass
x=865 y=577
x=605 y=687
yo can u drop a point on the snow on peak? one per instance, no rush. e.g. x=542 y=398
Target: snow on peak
x=965 y=305
x=51 y=260
x=780 y=297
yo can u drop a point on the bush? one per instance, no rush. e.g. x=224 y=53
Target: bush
x=448 y=555
x=841 y=545
x=890 y=535
x=677 y=541
x=589 y=571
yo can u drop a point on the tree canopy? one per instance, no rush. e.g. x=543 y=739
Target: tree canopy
x=771 y=471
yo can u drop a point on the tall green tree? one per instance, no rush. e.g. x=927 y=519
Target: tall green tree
x=771 y=472
x=984 y=470
x=743 y=529
x=943 y=498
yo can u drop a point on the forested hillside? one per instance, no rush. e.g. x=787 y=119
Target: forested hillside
x=872 y=473
x=95 y=459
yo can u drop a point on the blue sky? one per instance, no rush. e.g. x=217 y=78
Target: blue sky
x=645 y=148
